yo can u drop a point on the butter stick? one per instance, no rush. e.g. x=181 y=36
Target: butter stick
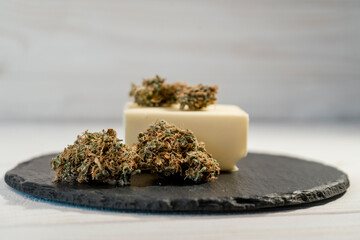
x=223 y=128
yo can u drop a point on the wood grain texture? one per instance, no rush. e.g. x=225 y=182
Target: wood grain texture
x=73 y=60
x=336 y=145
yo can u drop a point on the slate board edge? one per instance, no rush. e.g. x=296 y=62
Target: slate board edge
x=200 y=205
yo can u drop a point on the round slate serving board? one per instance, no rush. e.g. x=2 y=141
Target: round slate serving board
x=263 y=181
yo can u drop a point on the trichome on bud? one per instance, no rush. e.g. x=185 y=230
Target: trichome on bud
x=96 y=157
x=170 y=151
x=198 y=97
x=154 y=92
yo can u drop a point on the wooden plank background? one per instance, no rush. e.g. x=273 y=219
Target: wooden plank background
x=279 y=60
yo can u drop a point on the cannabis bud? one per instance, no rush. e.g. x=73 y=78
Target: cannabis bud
x=154 y=92
x=198 y=97
x=169 y=151
x=98 y=157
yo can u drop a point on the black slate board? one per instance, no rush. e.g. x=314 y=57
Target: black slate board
x=263 y=181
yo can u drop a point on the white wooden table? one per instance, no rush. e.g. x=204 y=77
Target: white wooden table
x=22 y=217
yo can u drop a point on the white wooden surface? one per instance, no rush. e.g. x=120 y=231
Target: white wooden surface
x=295 y=60
x=338 y=145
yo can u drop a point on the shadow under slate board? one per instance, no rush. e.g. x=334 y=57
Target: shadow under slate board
x=263 y=181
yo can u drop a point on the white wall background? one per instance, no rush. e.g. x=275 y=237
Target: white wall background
x=63 y=60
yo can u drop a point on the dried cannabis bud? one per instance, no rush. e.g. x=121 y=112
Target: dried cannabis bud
x=198 y=97
x=173 y=152
x=154 y=92
x=99 y=157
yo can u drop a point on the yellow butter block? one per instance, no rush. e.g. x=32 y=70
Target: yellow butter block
x=223 y=128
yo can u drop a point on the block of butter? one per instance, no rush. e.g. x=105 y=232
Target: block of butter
x=223 y=128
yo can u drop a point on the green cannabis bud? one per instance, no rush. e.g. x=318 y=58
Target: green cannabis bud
x=97 y=157
x=169 y=151
x=198 y=97
x=154 y=92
